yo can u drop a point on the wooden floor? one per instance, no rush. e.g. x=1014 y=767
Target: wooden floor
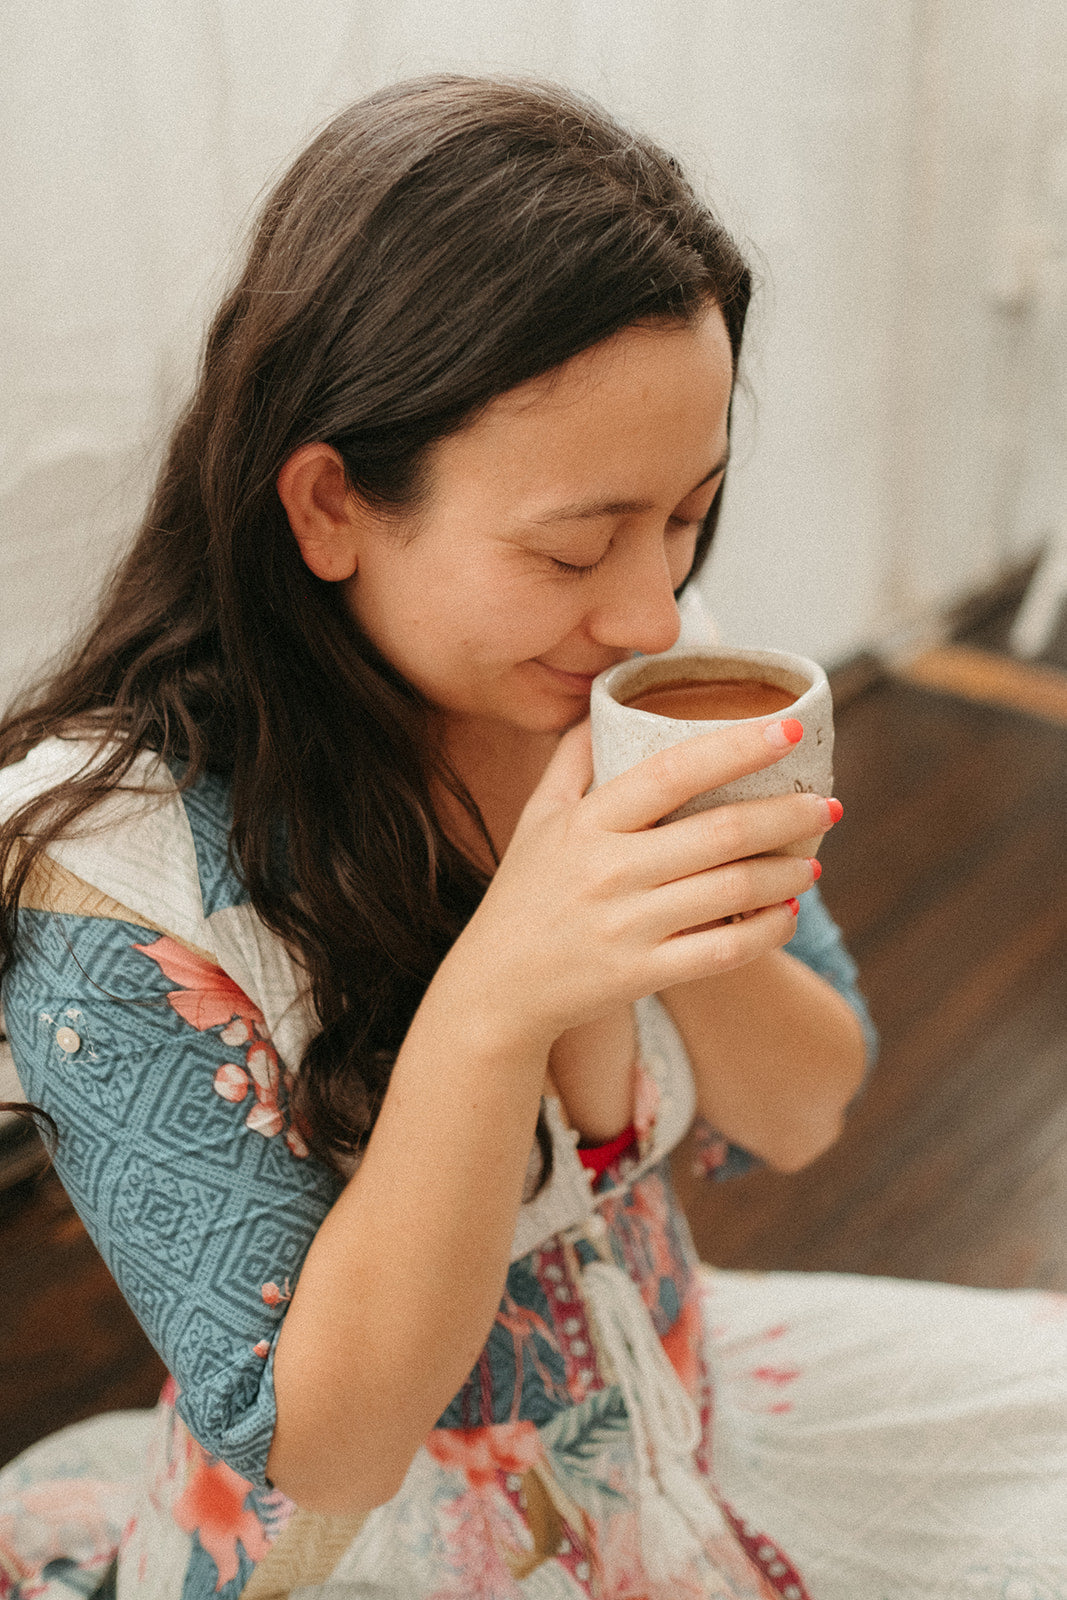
x=949 y=877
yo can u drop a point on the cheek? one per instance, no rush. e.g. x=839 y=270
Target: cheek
x=454 y=614
x=395 y=597
x=519 y=617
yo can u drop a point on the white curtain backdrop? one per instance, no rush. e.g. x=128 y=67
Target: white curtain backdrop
x=884 y=161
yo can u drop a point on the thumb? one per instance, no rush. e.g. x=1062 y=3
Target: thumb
x=570 y=772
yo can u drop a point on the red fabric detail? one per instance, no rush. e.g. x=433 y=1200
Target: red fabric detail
x=774 y=1565
x=598 y=1157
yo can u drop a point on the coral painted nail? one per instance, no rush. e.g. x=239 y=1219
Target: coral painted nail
x=794 y=906
x=816 y=869
x=783 y=735
x=836 y=811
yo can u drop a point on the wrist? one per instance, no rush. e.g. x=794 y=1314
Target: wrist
x=494 y=1016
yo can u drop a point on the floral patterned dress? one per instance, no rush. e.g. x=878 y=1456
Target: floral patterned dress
x=634 y=1429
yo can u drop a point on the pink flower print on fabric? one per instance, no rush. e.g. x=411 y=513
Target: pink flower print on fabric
x=264 y=1117
x=212 y=1507
x=231 y=1082
x=188 y=1486
x=481 y=1453
x=296 y=1144
x=273 y=1296
x=483 y=1536
x=484 y=1531
x=208 y=998
x=77 y=1518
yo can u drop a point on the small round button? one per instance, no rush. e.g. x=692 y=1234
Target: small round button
x=68 y=1040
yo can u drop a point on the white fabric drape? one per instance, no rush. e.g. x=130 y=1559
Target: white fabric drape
x=137 y=134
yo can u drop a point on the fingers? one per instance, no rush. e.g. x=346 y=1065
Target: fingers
x=662 y=782
x=725 y=892
x=708 y=950
x=732 y=833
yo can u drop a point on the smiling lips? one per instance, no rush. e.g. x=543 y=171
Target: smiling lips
x=574 y=682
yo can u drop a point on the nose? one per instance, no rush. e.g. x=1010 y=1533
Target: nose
x=635 y=607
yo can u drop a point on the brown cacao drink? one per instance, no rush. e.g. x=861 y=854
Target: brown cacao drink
x=713 y=699
x=649 y=703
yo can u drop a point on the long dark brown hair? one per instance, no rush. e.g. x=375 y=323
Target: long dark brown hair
x=438 y=243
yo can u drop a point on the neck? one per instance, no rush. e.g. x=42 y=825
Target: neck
x=500 y=767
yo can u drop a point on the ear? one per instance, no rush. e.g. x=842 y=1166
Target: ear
x=327 y=519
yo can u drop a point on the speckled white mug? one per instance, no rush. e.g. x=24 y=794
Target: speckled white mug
x=625 y=734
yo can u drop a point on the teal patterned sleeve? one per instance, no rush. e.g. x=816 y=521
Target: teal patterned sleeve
x=818 y=943
x=176 y=1148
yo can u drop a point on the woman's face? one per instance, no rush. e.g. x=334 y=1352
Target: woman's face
x=556 y=528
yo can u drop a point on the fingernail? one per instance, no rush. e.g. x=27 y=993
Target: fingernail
x=835 y=811
x=816 y=869
x=783 y=734
x=794 y=906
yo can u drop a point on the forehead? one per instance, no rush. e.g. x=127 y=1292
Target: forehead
x=641 y=415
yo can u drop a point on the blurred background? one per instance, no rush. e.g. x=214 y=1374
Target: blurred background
x=897 y=507
x=899 y=171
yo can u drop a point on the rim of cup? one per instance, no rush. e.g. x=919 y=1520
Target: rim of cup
x=795 y=673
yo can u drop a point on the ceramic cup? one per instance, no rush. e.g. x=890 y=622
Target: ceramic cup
x=625 y=734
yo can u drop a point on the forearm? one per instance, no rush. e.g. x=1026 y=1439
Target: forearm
x=403 y=1280
x=777 y=1055
x=401 y=1285
x=591 y=1067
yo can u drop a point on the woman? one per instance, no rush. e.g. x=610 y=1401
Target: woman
x=365 y=1029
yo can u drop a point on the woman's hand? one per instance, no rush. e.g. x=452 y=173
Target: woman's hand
x=593 y=905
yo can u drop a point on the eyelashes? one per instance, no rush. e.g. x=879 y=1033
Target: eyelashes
x=677 y=525
x=578 y=572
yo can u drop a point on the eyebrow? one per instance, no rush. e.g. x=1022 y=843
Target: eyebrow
x=580 y=509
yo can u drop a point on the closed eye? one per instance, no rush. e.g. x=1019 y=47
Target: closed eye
x=676 y=524
x=579 y=572
x=699 y=518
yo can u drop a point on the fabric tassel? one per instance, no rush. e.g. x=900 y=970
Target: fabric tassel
x=668 y=1546
x=676 y=1512
x=695 y=1503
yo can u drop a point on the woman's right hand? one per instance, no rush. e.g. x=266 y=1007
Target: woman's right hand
x=594 y=905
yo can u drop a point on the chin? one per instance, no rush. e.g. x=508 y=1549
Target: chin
x=562 y=719
x=545 y=719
